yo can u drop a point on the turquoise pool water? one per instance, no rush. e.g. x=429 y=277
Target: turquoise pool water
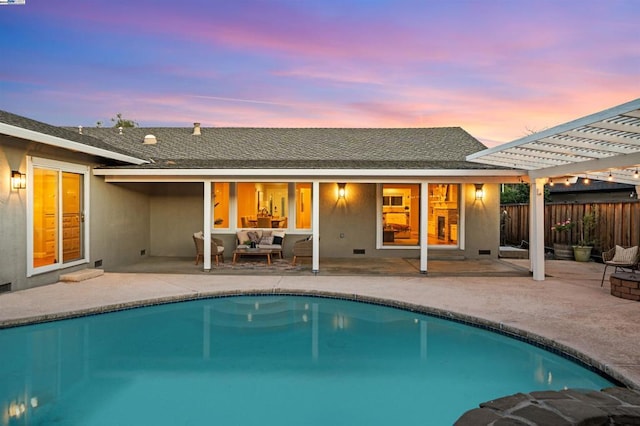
x=269 y=360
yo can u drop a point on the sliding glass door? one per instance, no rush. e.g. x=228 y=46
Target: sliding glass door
x=57 y=214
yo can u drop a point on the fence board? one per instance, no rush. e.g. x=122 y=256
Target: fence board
x=616 y=223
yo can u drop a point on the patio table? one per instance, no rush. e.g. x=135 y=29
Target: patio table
x=237 y=253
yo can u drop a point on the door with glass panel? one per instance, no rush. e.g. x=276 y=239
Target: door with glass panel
x=58 y=205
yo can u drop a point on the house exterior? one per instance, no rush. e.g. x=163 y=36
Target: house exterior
x=105 y=197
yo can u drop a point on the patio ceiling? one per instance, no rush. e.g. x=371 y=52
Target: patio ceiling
x=603 y=146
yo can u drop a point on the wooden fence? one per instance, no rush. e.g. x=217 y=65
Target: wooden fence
x=616 y=223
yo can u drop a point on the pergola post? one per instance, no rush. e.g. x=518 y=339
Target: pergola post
x=536 y=228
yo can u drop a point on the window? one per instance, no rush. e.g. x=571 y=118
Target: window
x=262 y=205
x=220 y=208
x=303 y=205
x=57 y=226
x=444 y=213
x=400 y=214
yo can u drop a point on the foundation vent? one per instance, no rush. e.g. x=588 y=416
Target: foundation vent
x=196 y=129
x=4 y=288
x=484 y=251
x=358 y=251
x=97 y=263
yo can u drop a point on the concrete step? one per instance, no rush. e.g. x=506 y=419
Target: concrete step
x=82 y=275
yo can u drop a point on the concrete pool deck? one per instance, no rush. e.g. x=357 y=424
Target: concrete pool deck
x=569 y=311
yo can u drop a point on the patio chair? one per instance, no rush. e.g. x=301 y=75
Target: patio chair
x=302 y=248
x=217 y=247
x=621 y=258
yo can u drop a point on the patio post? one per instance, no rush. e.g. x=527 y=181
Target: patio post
x=315 y=227
x=536 y=228
x=207 y=225
x=424 y=226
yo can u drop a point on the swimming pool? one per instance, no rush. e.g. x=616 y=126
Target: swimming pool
x=268 y=360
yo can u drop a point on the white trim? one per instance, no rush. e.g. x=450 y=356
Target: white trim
x=331 y=175
x=32 y=135
x=58 y=166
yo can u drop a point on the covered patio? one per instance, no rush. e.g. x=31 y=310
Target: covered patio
x=390 y=267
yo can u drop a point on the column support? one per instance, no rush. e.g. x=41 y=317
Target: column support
x=315 y=227
x=536 y=228
x=207 y=225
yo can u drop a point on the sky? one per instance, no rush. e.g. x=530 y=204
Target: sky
x=500 y=69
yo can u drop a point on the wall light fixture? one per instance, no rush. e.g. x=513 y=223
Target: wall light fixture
x=18 y=180
x=479 y=191
x=342 y=192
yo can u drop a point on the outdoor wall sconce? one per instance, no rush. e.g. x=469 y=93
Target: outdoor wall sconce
x=479 y=191
x=341 y=190
x=18 y=180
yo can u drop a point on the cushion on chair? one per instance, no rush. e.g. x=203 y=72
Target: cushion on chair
x=625 y=256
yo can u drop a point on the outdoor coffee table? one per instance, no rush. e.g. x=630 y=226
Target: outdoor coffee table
x=238 y=253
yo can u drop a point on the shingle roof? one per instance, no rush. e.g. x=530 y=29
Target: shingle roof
x=59 y=132
x=276 y=148
x=355 y=148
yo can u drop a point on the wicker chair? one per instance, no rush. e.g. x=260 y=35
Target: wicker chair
x=302 y=248
x=627 y=258
x=217 y=247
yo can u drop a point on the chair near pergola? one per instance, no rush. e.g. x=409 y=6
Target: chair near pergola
x=621 y=258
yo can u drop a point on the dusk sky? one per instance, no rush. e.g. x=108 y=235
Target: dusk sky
x=498 y=69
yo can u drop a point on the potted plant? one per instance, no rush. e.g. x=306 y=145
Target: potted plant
x=582 y=250
x=563 y=251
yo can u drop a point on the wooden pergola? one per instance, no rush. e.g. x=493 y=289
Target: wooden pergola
x=603 y=146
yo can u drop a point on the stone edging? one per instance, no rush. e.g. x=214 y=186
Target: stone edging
x=611 y=406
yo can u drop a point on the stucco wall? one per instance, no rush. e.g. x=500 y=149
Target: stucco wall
x=13 y=207
x=175 y=214
x=119 y=223
x=482 y=228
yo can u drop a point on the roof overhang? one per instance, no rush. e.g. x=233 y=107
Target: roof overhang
x=603 y=146
x=19 y=132
x=353 y=175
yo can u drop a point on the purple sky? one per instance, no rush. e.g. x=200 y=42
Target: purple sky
x=498 y=69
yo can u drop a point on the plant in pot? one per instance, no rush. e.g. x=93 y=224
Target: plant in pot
x=563 y=250
x=582 y=250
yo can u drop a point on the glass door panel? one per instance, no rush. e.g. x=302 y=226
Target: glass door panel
x=72 y=216
x=45 y=217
